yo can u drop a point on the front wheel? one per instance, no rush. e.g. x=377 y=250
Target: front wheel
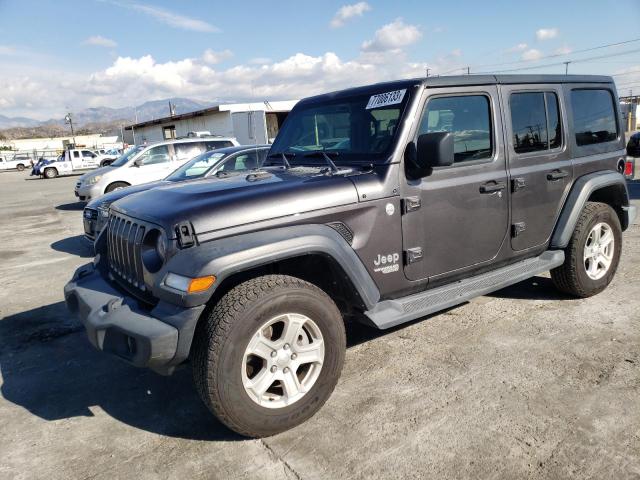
x=116 y=186
x=593 y=253
x=268 y=355
x=20 y=167
x=50 y=173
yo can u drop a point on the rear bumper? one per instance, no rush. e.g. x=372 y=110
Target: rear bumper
x=115 y=323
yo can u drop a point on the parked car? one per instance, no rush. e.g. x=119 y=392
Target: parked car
x=110 y=156
x=213 y=163
x=633 y=145
x=144 y=164
x=17 y=162
x=397 y=200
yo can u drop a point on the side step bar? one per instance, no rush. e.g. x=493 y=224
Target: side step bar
x=389 y=313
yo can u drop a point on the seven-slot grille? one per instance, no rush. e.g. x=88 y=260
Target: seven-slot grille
x=125 y=248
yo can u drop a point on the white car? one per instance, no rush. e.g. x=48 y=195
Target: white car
x=18 y=162
x=142 y=164
x=73 y=161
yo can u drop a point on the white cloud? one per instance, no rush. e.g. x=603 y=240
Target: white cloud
x=7 y=50
x=521 y=47
x=259 y=60
x=168 y=17
x=100 y=41
x=532 y=54
x=212 y=57
x=546 y=33
x=564 y=50
x=346 y=12
x=392 y=36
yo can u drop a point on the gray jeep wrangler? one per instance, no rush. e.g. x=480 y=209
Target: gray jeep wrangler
x=383 y=204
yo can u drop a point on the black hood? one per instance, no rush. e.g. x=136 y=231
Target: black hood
x=216 y=204
x=109 y=198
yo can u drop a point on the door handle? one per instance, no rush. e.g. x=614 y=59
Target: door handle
x=557 y=175
x=492 y=187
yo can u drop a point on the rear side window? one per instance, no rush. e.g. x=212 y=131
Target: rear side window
x=535 y=121
x=188 y=150
x=468 y=118
x=594 y=116
x=218 y=144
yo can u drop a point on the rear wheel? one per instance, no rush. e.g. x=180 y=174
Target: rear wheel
x=593 y=253
x=116 y=186
x=268 y=355
x=20 y=167
x=50 y=173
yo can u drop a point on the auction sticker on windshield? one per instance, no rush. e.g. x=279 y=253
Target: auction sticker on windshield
x=384 y=99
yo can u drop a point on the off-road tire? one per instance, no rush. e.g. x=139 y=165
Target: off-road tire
x=224 y=332
x=50 y=173
x=20 y=167
x=571 y=277
x=115 y=186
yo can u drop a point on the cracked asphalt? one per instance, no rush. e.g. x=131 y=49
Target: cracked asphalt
x=523 y=383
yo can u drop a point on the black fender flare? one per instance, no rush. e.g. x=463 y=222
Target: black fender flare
x=231 y=255
x=580 y=192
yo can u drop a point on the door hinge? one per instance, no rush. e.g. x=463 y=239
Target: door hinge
x=518 y=184
x=413 y=255
x=411 y=204
x=518 y=228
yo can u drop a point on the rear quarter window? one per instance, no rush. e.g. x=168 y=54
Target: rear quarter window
x=594 y=116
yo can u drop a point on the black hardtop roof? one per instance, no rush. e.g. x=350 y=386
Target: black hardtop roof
x=459 y=80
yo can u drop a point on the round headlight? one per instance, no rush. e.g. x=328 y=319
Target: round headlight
x=154 y=250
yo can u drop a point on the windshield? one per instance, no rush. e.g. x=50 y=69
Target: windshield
x=360 y=128
x=197 y=166
x=126 y=156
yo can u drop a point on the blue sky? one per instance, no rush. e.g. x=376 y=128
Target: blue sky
x=75 y=54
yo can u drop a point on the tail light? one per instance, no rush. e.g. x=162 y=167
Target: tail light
x=628 y=168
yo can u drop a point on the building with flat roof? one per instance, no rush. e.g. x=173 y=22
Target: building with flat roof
x=249 y=123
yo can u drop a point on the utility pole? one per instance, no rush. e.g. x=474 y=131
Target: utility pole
x=468 y=70
x=69 y=120
x=122 y=136
x=428 y=70
x=566 y=67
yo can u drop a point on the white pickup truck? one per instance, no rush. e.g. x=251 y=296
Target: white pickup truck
x=74 y=160
x=12 y=161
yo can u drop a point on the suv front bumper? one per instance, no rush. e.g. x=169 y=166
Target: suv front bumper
x=158 y=338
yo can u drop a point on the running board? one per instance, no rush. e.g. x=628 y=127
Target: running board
x=389 y=313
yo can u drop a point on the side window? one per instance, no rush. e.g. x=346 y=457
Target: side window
x=76 y=154
x=468 y=117
x=217 y=144
x=185 y=151
x=155 y=155
x=87 y=154
x=535 y=121
x=594 y=117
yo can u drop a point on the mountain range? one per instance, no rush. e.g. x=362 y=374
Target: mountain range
x=91 y=117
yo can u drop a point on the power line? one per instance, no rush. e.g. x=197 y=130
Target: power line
x=580 y=60
x=555 y=55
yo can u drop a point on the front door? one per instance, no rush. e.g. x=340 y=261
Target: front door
x=154 y=164
x=458 y=216
x=539 y=162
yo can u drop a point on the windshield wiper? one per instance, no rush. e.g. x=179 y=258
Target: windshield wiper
x=283 y=156
x=326 y=156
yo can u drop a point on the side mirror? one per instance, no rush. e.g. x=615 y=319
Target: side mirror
x=137 y=162
x=432 y=150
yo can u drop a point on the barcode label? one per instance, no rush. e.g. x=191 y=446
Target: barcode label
x=384 y=99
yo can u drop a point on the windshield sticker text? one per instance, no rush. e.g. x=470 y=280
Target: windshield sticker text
x=384 y=99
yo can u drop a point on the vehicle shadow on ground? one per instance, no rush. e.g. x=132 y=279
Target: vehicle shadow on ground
x=76 y=245
x=535 y=288
x=74 y=206
x=49 y=368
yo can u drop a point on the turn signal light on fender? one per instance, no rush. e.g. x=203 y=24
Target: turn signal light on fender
x=201 y=284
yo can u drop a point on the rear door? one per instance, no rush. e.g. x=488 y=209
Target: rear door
x=539 y=160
